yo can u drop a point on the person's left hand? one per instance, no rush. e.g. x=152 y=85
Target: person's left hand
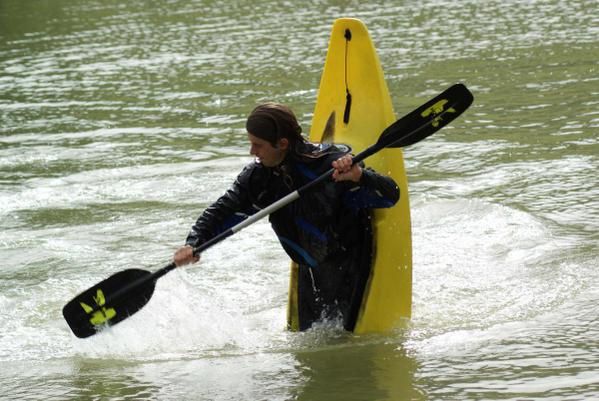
x=345 y=170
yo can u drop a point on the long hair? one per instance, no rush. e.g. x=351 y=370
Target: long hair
x=274 y=121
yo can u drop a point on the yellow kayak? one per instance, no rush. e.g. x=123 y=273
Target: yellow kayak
x=354 y=107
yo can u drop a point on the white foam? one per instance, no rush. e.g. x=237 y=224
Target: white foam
x=478 y=263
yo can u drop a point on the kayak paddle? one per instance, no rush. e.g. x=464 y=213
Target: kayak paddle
x=124 y=293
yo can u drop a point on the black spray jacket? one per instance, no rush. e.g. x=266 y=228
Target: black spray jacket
x=327 y=231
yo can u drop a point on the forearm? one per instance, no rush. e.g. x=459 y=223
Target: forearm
x=382 y=185
x=372 y=191
x=218 y=217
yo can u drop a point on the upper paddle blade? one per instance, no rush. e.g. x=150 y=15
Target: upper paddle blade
x=428 y=118
x=104 y=304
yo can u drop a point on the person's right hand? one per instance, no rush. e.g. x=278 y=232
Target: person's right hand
x=184 y=256
x=345 y=170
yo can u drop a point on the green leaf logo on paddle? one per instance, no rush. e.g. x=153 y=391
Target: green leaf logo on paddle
x=436 y=111
x=101 y=315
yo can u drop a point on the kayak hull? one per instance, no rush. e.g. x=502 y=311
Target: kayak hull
x=354 y=107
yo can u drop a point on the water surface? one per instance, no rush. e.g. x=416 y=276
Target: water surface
x=120 y=122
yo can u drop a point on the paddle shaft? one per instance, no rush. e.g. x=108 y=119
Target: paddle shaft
x=273 y=207
x=410 y=129
x=284 y=201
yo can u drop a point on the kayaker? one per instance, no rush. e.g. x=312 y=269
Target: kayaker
x=327 y=231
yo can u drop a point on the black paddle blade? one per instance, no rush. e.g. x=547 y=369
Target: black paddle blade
x=104 y=304
x=429 y=118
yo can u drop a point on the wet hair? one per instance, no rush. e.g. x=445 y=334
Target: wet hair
x=273 y=121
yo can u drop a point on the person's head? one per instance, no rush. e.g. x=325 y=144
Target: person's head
x=272 y=131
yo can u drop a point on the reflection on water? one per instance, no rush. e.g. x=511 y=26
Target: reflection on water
x=81 y=379
x=120 y=122
x=355 y=370
x=332 y=368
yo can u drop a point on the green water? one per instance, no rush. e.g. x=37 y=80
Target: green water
x=121 y=121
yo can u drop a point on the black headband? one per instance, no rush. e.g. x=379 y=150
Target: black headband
x=264 y=126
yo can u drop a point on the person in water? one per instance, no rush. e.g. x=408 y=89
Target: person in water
x=327 y=231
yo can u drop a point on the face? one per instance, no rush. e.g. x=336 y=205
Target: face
x=267 y=154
